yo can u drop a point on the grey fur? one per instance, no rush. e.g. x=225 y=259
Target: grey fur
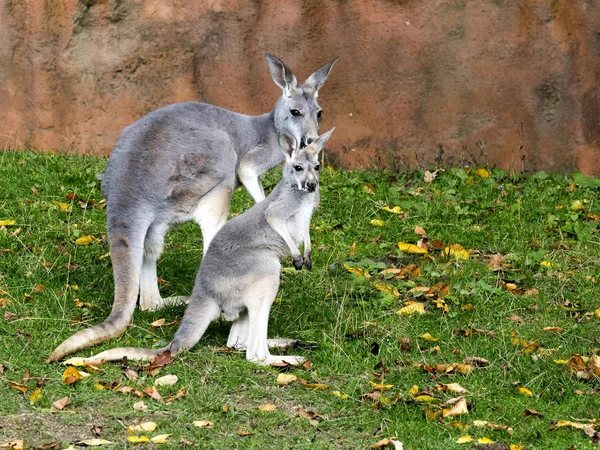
x=182 y=163
x=239 y=275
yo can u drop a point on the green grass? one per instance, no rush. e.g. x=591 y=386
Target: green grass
x=42 y=271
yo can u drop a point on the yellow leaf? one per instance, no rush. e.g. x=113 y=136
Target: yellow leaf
x=516 y=447
x=464 y=439
x=76 y=361
x=94 y=442
x=425 y=399
x=284 y=378
x=525 y=391
x=35 y=396
x=158 y=323
x=554 y=329
x=429 y=337
x=391 y=290
x=457 y=251
x=560 y=361
x=411 y=308
x=394 y=210
x=381 y=387
x=71 y=375
x=413 y=390
x=458 y=409
x=146 y=426
x=368 y=188
x=268 y=407
x=6 y=223
x=377 y=223
x=85 y=240
x=452 y=387
x=411 y=248
x=18 y=386
x=62 y=206
x=597 y=313
x=577 y=206
x=203 y=423
x=482 y=173
x=485 y=440
x=357 y=271
x=13 y=445
x=137 y=439
x=547 y=264
x=339 y=394
x=160 y=438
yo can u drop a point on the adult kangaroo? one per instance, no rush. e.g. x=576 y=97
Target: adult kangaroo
x=180 y=163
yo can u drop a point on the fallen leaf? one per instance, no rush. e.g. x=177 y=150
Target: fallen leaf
x=411 y=248
x=94 y=442
x=411 y=308
x=404 y=344
x=61 y=404
x=184 y=442
x=482 y=173
x=180 y=393
x=85 y=240
x=243 y=433
x=464 y=439
x=131 y=374
x=452 y=387
x=485 y=440
x=268 y=407
x=160 y=438
x=160 y=360
x=35 y=396
x=381 y=387
x=458 y=409
x=18 y=386
x=576 y=363
x=317 y=386
x=339 y=395
x=153 y=393
x=516 y=447
x=203 y=423
x=525 y=391
x=594 y=364
x=13 y=445
x=377 y=223
x=285 y=379
x=393 y=210
x=140 y=406
x=167 y=380
x=577 y=206
x=368 y=188
x=6 y=223
x=456 y=251
x=158 y=323
x=138 y=439
x=531 y=412
x=146 y=426
x=429 y=337
x=76 y=361
x=553 y=329
x=62 y=206
x=71 y=376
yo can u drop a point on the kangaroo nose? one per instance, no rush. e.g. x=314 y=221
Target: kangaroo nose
x=311 y=185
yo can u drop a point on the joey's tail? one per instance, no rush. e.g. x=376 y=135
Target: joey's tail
x=195 y=322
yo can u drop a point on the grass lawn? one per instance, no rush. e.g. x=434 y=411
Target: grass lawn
x=509 y=291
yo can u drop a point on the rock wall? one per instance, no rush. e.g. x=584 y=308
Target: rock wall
x=418 y=82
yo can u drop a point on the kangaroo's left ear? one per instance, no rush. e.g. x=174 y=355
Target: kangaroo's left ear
x=288 y=144
x=320 y=142
x=316 y=80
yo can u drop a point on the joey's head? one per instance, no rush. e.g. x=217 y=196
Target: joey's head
x=297 y=111
x=301 y=169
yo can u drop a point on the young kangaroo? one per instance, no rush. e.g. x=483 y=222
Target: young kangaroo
x=239 y=275
x=182 y=163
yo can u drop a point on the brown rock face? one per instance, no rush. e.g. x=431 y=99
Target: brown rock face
x=418 y=83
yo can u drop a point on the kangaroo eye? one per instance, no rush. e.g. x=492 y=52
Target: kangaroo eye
x=298 y=168
x=317 y=167
x=295 y=112
x=319 y=114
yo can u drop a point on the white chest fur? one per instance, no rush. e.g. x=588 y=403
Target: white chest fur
x=299 y=223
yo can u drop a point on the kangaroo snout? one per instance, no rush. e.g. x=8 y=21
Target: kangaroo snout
x=311 y=186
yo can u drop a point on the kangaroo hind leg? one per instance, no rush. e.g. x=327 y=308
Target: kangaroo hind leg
x=150 y=299
x=260 y=296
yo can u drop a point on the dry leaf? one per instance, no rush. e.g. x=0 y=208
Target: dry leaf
x=13 y=445
x=160 y=360
x=458 y=409
x=61 y=404
x=71 y=375
x=525 y=391
x=167 y=380
x=140 y=406
x=317 y=386
x=146 y=426
x=203 y=423
x=452 y=387
x=94 y=442
x=368 y=188
x=131 y=374
x=531 y=412
x=18 y=386
x=339 y=395
x=411 y=308
x=180 y=393
x=420 y=231
x=553 y=329
x=85 y=240
x=153 y=393
x=411 y=248
x=284 y=379
x=381 y=387
x=456 y=251
x=485 y=440
x=377 y=223
x=138 y=439
x=35 y=396
x=6 y=223
x=404 y=344
x=429 y=337
x=158 y=323
x=268 y=407
x=243 y=433
x=160 y=438
x=393 y=210
x=464 y=439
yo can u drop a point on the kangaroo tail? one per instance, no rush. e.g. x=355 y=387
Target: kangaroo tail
x=134 y=353
x=196 y=320
x=114 y=326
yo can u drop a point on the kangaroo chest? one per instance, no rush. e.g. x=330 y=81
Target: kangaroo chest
x=299 y=222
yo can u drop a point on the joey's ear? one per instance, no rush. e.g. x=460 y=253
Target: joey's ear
x=288 y=144
x=316 y=80
x=320 y=142
x=282 y=75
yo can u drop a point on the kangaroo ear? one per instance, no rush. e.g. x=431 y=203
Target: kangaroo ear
x=288 y=144
x=316 y=80
x=320 y=142
x=282 y=75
